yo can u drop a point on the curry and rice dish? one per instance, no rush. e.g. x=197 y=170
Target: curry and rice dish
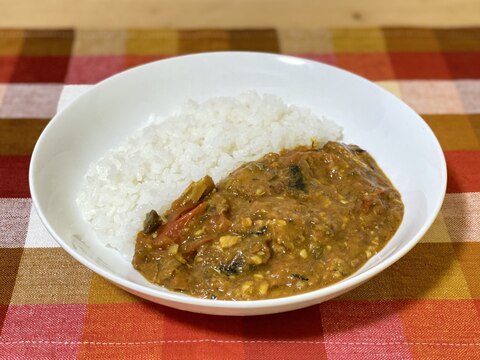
x=293 y=221
x=285 y=224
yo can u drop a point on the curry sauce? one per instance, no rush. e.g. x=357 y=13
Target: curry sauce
x=288 y=223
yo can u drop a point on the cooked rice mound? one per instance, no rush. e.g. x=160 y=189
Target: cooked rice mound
x=155 y=164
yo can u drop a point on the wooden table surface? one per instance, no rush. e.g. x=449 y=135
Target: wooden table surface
x=237 y=13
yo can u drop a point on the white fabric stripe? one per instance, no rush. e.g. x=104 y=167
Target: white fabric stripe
x=37 y=234
x=25 y=100
x=14 y=217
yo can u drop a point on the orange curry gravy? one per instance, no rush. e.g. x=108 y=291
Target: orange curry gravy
x=286 y=224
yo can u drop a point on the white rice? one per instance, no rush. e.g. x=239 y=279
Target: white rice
x=155 y=164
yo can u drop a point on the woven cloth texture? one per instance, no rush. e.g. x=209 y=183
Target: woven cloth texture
x=425 y=306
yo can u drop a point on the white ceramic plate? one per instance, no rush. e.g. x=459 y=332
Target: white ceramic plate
x=400 y=141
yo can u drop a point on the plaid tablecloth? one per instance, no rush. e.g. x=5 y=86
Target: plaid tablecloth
x=427 y=305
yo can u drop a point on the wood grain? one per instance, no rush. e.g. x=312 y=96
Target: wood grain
x=237 y=13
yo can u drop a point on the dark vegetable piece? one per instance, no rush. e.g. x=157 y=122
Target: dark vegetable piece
x=234 y=267
x=296 y=178
x=298 y=276
x=261 y=231
x=152 y=222
x=194 y=193
x=356 y=149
